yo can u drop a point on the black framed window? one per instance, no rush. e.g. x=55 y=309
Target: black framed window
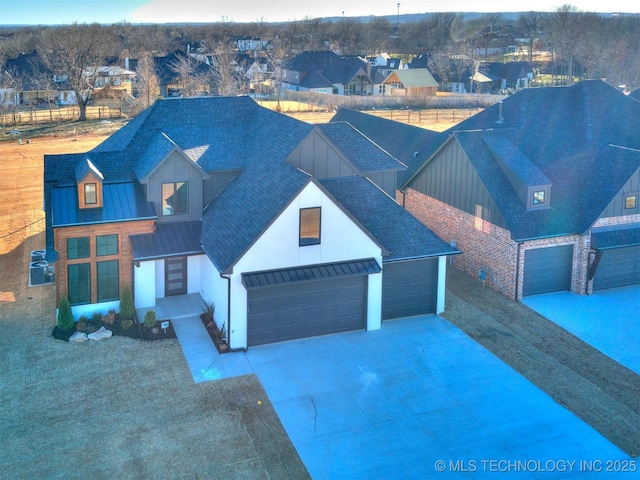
x=175 y=198
x=108 y=280
x=630 y=202
x=90 y=193
x=538 y=197
x=78 y=248
x=106 y=245
x=310 y=226
x=79 y=283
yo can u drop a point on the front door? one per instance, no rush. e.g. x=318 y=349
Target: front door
x=175 y=276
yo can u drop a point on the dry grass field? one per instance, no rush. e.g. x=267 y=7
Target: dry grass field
x=119 y=408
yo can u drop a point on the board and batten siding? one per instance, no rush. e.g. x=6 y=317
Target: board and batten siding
x=450 y=178
x=616 y=206
x=176 y=168
x=387 y=181
x=317 y=157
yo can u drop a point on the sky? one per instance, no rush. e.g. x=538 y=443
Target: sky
x=50 y=12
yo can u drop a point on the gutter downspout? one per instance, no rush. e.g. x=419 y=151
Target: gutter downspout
x=228 y=279
x=518 y=270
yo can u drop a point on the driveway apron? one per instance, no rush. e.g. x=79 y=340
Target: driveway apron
x=418 y=399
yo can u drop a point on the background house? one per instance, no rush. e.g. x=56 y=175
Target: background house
x=26 y=80
x=327 y=72
x=535 y=206
x=285 y=226
x=415 y=82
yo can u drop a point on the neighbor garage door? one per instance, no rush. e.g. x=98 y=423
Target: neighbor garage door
x=306 y=309
x=618 y=267
x=409 y=288
x=547 y=269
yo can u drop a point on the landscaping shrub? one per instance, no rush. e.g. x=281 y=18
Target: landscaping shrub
x=150 y=319
x=127 y=309
x=109 y=318
x=65 y=317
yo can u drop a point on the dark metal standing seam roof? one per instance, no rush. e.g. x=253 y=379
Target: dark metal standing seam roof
x=169 y=240
x=269 y=278
x=615 y=238
x=121 y=202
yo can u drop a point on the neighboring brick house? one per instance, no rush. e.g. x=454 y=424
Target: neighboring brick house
x=288 y=228
x=540 y=192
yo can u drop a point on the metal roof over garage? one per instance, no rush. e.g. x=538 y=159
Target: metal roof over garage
x=615 y=238
x=284 y=276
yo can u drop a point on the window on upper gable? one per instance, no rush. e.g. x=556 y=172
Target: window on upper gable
x=630 y=201
x=309 y=226
x=175 y=198
x=90 y=194
x=538 y=197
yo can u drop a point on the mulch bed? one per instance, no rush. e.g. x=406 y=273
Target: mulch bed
x=214 y=333
x=136 y=330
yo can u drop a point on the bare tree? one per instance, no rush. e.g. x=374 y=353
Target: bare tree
x=75 y=53
x=225 y=74
x=148 y=83
x=565 y=32
x=376 y=34
x=529 y=24
x=189 y=79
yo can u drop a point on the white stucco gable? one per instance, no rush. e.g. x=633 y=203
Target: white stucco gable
x=341 y=239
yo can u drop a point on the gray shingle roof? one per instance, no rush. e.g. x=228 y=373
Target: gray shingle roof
x=361 y=151
x=159 y=147
x=572 y=135
x=243 y=211
x=406 y=143
x=402 y=235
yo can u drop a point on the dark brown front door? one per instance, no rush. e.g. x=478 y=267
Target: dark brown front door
x=175 y=276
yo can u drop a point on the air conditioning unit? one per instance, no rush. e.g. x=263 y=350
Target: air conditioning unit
x=38 y=255
x=37 y=272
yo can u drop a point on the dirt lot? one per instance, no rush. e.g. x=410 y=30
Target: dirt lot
x=114 y=409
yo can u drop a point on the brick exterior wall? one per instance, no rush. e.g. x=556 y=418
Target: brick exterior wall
x=125 y=254
x=489 y=247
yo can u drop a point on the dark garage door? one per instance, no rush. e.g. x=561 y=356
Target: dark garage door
x=409 y=288
x=547 y=270
x=618 y=267
x=306 y=309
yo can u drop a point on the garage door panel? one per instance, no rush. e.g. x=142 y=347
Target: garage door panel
x=409 y=288
x=618 y=267
x=548 y=269
x=306 y=309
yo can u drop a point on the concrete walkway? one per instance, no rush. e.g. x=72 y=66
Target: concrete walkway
x=596 y=388
x=205 y=363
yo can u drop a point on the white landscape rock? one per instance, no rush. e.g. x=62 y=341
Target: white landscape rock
x=100 y=334
x=78 y=337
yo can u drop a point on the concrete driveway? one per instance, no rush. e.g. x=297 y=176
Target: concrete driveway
x=420 y=399
x=608 y=320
